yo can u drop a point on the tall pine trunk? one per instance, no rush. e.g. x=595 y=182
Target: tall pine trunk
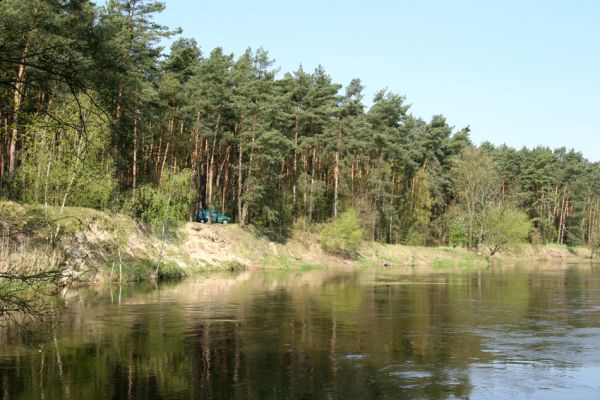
x=305 y=181
x=295 y=168
x=211 y=166
x=18 y=96
x=135 y=146
x=241 y=217
x=336 y=171
x=17 y=100
x=312 y=184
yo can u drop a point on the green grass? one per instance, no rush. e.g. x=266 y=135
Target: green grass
x=134 y=271
x=139 y=271
x=232 y=265
x=461 y=260
x=311 y=267
x=285 y=263
x=442 y=264
x=171 y=270
x=280 y=262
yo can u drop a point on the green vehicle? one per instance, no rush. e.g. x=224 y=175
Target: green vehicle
x=214 y=215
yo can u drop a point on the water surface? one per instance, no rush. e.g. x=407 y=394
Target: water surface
x=499 y=333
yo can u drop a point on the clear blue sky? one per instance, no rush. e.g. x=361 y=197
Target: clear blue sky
x=522 y=73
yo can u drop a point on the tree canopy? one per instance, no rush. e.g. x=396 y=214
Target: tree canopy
x=95 y=113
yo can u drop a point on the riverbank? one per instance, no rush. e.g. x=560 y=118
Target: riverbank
x=95 y=246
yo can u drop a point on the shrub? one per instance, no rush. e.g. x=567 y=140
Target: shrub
x=506 y=227
x=138 y=271
x=171 y=270
x=458 y=232
x=342 y=236
x=233 y=265
x=166 y=206
x=415 y=237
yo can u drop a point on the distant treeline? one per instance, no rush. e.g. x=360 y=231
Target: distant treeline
x=93 y=114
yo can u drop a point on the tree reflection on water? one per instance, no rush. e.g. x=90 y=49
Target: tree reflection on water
x=320 y=334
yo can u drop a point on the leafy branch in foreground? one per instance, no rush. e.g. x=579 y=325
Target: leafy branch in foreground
x=31 y=274
x=32 y=293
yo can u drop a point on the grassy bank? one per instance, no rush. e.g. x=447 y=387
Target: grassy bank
x=95 y=246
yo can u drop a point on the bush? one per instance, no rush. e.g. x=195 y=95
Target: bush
x=171 y=270
x=506 y=228
x=415 y=236
x=164 y=207
x=233 y=266
x=138 y=271
x=134 y=271
x=458 y=234
x=342 y=236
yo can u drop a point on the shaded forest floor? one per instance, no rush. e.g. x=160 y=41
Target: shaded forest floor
x=91 y=245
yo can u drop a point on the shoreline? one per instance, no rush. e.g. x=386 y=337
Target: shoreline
x=92 y=245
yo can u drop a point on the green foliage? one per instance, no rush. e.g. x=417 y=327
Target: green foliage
x=140 y=271
x=442 y=264
x=69 y=163
x=415 y=236
x=458 y=234
x=164 y=207
x=285 y=263
x=477 y=187
x=29 y=291
x=310 y=267
x=558 y=189
x=342 y=236
x=135 y=271
x=171 y=270
x=506 y=228
x=279 y=261
x=233 y=266
x=93 y=115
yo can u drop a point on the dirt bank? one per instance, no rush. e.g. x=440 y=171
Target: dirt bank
x=92 y=244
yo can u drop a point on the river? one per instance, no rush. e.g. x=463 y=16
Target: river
x=518 y=332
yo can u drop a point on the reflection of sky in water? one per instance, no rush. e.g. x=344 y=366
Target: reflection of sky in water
x=534 y=381
x=545 y=362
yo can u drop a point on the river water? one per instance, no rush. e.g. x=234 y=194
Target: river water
x=529 y=332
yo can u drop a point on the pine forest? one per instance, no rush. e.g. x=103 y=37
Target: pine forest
x=95 y=113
